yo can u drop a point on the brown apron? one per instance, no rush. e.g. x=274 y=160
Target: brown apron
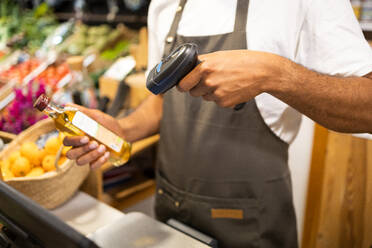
x=221 y=171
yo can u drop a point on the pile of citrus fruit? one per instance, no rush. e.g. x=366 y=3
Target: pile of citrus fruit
x=30 y=161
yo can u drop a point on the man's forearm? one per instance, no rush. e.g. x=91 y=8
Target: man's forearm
x=145 y=120
x=340 y=104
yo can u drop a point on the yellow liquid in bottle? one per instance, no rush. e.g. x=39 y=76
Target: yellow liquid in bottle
x=63 y=121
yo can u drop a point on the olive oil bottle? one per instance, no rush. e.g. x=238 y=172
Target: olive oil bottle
x=71 y=121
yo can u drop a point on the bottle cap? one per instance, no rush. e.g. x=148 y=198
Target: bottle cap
x=42 y=102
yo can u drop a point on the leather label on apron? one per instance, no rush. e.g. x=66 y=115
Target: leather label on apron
x=219 y=213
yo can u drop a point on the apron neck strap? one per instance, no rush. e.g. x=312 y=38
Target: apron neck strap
x=241 y=16
x=170 y=40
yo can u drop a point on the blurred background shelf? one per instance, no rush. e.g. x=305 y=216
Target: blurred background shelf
x=366 y=26
x=102 y=18
x=139 y=184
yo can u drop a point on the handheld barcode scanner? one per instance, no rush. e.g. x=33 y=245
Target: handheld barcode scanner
x=173 y=68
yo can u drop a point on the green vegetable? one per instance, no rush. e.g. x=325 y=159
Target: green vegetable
x=121 y=49
x=25 y=28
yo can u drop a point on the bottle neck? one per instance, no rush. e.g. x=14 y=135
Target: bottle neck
x=52 y=110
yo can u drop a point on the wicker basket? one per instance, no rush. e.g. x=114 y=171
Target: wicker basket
x=53 y=188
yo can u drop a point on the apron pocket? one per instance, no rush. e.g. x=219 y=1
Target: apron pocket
x=233 y=222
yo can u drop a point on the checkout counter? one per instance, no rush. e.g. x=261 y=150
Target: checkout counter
x=110 y=228
x=84 y=222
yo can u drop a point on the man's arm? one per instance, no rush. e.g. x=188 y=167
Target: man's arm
x=140 y=124
x=145 y=121
x=232 y=77
x=340 y=104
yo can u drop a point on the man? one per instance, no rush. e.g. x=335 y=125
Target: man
x=224 y=171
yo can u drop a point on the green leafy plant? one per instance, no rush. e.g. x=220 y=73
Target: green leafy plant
x=25 y=28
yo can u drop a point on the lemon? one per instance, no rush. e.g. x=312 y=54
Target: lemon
x=38 y=157
x=61 y=160
x=48 y=162
x=5 y=164
x=42 y=154
x=12 y=157
x=52 y=145
x=35 y=172
x=30 y=151
x=5 y=169
x=21 y=167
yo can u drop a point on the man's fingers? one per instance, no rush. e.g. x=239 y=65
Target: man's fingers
x=91 y=156
x=75 y=140
x=209 y=97
x=201 y=89
x=91 y=153
x=100 y=161
x=76 y=152
x=190 y=80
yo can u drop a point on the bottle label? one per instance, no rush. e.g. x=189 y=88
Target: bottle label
x=97 y=131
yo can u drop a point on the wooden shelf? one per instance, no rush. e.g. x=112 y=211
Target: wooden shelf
x=339 y=192
x=129 y=193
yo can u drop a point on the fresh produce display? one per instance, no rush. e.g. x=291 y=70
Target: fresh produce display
x=32 y=42
x=87 y=40
x=120 y=49
x=19 y=71
x=24 y=29
x=50 y=76
x=12 y=58
x=32 y=161
x=20 y=114
x=55 y=39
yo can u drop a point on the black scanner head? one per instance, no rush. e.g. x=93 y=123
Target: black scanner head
x=170 y=70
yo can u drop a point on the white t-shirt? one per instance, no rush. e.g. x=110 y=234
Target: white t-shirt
x=323 y=36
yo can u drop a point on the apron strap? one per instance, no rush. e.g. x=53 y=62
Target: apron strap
x=170 y=40
x=241 y=16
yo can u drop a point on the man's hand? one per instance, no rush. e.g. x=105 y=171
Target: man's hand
x=228 y=78
x=231 y=77
x=85 y=150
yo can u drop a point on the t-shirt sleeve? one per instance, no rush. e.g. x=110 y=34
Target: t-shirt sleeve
x=331 y=40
